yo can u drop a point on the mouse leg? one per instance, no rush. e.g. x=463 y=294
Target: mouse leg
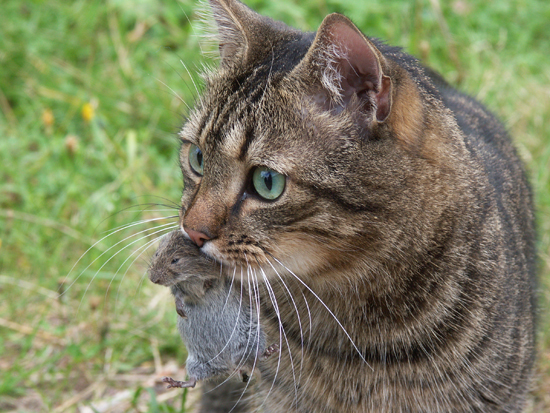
x=274 y=348
x=180 y=308
x=181 y=384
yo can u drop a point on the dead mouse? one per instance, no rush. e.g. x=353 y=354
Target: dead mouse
x=216 y=321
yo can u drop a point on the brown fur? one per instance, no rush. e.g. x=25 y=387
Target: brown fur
x=396 y=269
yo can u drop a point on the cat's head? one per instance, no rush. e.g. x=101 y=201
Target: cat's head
x=298 y=154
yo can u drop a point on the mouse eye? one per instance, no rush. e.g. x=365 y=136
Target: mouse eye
x=175 y=260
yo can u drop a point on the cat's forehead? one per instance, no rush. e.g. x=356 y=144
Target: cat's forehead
x=245 y=130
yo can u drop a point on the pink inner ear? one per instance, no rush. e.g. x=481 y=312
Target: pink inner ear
x=359 y=60
x=359 y=67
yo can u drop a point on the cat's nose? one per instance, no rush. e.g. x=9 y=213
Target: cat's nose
x=197 y=237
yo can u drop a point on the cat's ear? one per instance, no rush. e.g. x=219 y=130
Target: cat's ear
x=232 y=39
x=344 y=63
x=240 y=30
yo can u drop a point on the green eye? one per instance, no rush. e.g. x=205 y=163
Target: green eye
x=195 y=159
x=268 y=183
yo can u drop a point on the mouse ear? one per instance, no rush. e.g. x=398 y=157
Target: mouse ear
x=345 y=65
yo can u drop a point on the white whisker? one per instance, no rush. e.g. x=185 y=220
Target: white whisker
x=299 y=320
x=114 y=255
x=273 y=299
x=97 y=242
x=230 y=287
x=144 y=248
x=234 y=327
x=236 y=323
x=327 y=308
x=135 y=223
x=122 y=265
x=284 y=333
x=174 y=93
x=249 y=276
x=192 y=80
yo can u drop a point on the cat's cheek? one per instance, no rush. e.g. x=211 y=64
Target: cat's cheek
x=211 y=250
x=301 y=255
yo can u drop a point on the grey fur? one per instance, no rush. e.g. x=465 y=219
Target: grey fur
x=218 y=322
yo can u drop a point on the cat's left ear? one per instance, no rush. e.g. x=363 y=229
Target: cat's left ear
x=344 y=63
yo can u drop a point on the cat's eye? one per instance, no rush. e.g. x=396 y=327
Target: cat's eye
x=268 y=183
x=175 y=260
x=195 y=159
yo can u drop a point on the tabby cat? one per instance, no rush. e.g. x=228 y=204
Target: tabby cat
x=381 y=218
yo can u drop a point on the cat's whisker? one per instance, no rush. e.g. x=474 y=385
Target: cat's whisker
x=298 y=317
x=97 y=242
x=309 y=315
x=126 y=260
x=296 y=381
x=273 y=300
x=236 y=320
x=249 y=292
x=144 y=248
x=114 y=255
x=176 y=205
x=230 y=287
x=242 y=361
x=192 y=28
x=140 y=222
x=172 y=207
x=182 y=79
x=174 y=93
x=192 y=80
x=327 y=308
x=254 y=288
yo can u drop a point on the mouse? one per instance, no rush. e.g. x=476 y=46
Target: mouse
x=220 y=329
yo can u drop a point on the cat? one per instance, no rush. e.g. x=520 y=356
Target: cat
x=384 y=217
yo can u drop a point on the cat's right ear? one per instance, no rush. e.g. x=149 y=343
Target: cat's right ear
x=240 y=31
x=345 y=68
x=232 y=39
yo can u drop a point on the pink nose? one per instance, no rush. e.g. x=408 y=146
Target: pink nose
x=196 y=236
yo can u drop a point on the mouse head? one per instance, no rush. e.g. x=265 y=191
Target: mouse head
x=177 y=260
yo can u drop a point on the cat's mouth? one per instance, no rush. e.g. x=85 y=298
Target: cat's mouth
x=248 y=256
x=289 y=259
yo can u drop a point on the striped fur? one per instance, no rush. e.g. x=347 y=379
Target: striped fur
x=397 y=268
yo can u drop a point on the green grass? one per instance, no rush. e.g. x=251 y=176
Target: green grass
x=63 y=183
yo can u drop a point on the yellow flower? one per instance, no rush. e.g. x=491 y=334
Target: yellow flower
x=87 y=112
x=48 y=118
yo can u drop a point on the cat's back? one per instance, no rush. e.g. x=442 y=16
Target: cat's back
x=501 y=263
x=505 y=188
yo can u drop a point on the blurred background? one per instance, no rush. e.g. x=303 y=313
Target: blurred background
x=91 y=95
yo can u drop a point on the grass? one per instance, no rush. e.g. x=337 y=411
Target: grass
x=91 y=94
